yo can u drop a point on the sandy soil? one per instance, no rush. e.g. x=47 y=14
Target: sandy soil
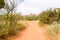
x=32 y=32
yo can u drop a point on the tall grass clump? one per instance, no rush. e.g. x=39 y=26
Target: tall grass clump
x=53 y=31
x=9 y=26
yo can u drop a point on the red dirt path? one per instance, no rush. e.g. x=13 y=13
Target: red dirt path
x=32 y=32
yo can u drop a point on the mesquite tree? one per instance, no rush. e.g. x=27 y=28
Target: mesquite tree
x=10 y=9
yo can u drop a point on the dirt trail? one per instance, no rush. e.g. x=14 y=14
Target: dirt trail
x=32 y=32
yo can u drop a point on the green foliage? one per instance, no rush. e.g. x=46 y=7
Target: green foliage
x=30 y=18
x=9 y=25
x=53 y=31
x=9 y=22
x=49 y=16
x=2 y=4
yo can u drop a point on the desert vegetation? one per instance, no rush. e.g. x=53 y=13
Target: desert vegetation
x=51 y=18
x=2 y=4
x=53 y=31
x=8 y=22
x=31 y=17
x=9 y=25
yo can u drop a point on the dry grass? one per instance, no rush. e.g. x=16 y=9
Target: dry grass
x=53 y=31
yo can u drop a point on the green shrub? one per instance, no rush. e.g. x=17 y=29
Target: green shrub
x=2 y=4
x=30 y=18
x=9 y=26
x=49 y=16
